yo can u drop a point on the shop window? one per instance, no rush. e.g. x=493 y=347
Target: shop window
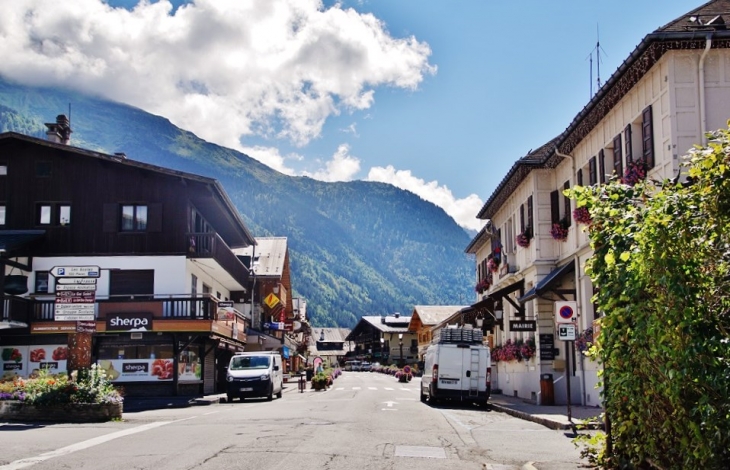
x=41 y=282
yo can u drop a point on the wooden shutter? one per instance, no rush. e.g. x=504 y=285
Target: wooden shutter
x=579 y=175
x=647 y=137
x=602 y=166
x=522 y=218
x=110 y=218
x=566 y=201
x=555 y=206
x=618 y=164
x=592 y=171
x=627 y=143
x=529 y=214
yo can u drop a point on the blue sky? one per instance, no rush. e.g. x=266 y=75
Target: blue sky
x=437 y=97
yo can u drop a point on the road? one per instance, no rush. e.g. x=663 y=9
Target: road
x=365 y=421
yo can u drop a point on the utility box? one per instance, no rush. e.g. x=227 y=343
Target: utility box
x=547 y=391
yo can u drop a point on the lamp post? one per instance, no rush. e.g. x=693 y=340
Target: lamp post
x=382 y=350
x=400 y=343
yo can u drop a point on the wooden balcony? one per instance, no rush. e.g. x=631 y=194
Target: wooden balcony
x=162 y=307
x=211 y=245
x=17 y=310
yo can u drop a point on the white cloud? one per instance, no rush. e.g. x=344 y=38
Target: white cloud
x=342 y=167
x=270 y=156
x=461 y=210
x=223 y=69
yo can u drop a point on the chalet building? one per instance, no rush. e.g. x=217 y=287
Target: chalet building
x=141 y=258
x=330 y=345
x=530 y=256
x=423 y=320
x=385 y=339
x=274 y=320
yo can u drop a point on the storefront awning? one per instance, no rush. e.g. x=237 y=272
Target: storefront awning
x=547 y=283
x=504 y=293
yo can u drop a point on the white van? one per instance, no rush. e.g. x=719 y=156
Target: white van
x=254 y=374
x=458 y=367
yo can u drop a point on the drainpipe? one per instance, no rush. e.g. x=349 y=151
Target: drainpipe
x=701 y=85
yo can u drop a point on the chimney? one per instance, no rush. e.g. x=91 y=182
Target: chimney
x=397 y=314
x=59 y=131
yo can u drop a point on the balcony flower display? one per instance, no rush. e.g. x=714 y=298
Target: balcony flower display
x=585 y=340
x=635 y=172
x=582 y=215
x=514 y=350
x=559 y=231
x=523 y=239
x=492 y=265
x=482 y=286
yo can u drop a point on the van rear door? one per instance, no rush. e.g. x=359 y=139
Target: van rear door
x=450 y=362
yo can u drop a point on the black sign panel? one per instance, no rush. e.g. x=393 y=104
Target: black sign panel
x=547 y=348
x=522 y=325
x=141 y=321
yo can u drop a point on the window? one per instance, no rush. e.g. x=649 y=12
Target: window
x=618 y=164
x=41 y=282
x=128 y=282
x=579 y=176
x=193 y=285
x=3 y=169
x=134 y=218
x=554 y=207
x=43 y=214
x=522 y=218
x=2 y=214
x=529 y=212
x=64 y=214
x=628 y=143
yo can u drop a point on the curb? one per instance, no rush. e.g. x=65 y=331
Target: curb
x=549 y=423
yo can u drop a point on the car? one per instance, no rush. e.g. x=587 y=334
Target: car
x=352 y=365
x=365 y=366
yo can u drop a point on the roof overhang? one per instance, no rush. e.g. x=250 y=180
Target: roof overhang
x=547 y=283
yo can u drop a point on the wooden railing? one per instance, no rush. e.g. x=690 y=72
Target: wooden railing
x=16 y=309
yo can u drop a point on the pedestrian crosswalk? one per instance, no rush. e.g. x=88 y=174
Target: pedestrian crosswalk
x=342 y=389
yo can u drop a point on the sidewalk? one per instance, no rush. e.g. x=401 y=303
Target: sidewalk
x=553 y=417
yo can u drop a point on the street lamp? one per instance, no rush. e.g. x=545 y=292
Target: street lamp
x=400 y=343
x=382 y=349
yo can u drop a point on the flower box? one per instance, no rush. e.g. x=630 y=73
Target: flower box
x=11 y=410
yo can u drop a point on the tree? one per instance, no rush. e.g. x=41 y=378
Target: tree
x=661 y=266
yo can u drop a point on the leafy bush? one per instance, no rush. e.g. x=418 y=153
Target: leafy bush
x=662 y=266
x=88 y=386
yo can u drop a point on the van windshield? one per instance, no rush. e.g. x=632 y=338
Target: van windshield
x=250 y=362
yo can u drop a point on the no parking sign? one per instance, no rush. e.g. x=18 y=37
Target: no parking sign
x=566 y=312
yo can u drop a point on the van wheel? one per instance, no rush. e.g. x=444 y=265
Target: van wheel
x=423 y=397
x=270 y=396
x=229 y=398
x=281 y=390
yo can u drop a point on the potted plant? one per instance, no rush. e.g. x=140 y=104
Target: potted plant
x=559 y=230
x=523 y=239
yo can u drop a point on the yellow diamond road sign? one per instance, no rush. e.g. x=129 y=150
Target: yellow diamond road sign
x=271 y=300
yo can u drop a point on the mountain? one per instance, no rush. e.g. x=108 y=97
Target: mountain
x=357 y=248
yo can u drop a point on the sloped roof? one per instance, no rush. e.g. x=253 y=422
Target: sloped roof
x=682 y=33
x=270 y=253
x=391 y=325
x=433 y=314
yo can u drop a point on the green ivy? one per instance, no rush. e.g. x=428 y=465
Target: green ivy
x=661 y=267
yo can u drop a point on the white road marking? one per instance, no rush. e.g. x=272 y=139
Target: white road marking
x=27 y=462
x=389 y=388
x=372 y=388
x=340 y=388
x=356 y=388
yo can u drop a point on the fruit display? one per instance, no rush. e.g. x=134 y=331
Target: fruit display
x=12 y=354
x=60 y=353
x=37 y=355
x=162 y=368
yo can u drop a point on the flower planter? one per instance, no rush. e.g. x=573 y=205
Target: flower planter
x=65 y=413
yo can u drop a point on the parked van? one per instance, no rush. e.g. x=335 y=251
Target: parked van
x=352 y=365
x=254 y=374
x=458 y=367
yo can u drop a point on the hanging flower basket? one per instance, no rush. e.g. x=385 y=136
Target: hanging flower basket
x=559 y=231
x=523 y=239
x=582 y=215
x=492 y=265
x=635 y=172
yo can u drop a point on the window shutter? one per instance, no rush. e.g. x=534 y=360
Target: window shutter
x=627 y=143
x=592 y=171
x=110 y=219
x=618 y=164
x=154 y=217
x=602 y=166
x=529 y=214
x=555 y=206
x=579 y=175
x=522 y=218
x=566 y=201
x=647 y=137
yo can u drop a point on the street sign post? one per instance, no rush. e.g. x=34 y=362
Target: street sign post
x=566 y=332
x=75 y=271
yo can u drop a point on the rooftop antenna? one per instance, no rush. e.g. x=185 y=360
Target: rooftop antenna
x=598 y=49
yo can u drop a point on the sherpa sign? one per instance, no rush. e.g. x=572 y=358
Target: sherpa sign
x=141 y=321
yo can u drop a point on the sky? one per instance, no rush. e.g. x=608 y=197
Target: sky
x=433 y=96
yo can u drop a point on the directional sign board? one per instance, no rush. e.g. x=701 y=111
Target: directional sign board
x=566 y=332
x=74 y=312
x=75 y=271
x=77 y=280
